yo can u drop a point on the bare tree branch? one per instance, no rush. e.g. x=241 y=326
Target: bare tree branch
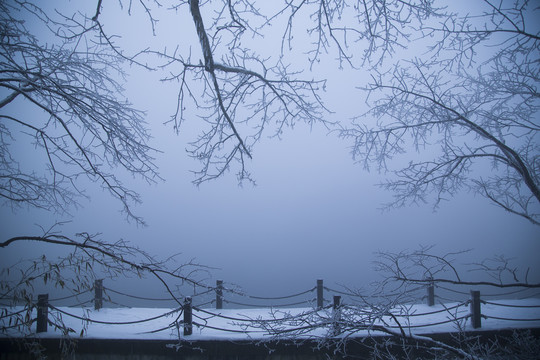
x=424 y=267
x=85 y=127
x=462 y=116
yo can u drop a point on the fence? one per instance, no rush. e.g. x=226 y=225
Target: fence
x=337 y=312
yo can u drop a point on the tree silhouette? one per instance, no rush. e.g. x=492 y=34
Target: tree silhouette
x=471 y=100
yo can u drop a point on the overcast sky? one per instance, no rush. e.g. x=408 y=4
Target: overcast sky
x=313 y=214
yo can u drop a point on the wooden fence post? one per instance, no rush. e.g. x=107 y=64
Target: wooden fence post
x=188 y=317
x=336 y=315
x=476 y=314
x=98 y=294
x=42 y=313
x=431 y=292
x=219 y=294
x=320 y=294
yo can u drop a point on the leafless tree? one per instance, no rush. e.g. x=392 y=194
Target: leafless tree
x=89 y=257
x=241 y=93
x=473 y=115
x=238 y=94
x=61 y=93
x=71 y=265
x=245 y=89
x=424 y=266
x=75 y=115
x=471 y=99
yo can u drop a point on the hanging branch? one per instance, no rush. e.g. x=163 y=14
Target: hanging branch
x=209 y=67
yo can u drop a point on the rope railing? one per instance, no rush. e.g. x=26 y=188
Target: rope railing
x=535 y=295
x=170 y=326
x=114 y=322
x=506 y=293
x=208 y=291
x=137 y=296
x=447 y=299
x=282 y=297
x=447 y=321
x=226 y=317
x=63 y=297
x=510 y=305
x=253 y=305
x=196 y=311
x=220 y=315
x=452 y=290
x=206 y=303
x=509 y=319
x=71 y=296
x=145 y=298
x=33 y=302
x=342 y=292
x=90 y=320
x=502 y=294
x=82 y=303
x=109 y=301
x=54 y=299
x=385 y=295
x=445 y=309
x=407 y=314
x=271 y=306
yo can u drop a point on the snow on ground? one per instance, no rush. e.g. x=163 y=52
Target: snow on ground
x=527 y=314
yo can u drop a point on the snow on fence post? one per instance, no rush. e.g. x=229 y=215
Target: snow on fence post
x=320 y=302
x=476 y=314
x=430 y=292
x=42 y=313
x=219 y=294
x=98 y=294
x=188 y=317
x=336 y=315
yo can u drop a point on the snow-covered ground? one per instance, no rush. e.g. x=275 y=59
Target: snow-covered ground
x=526 y=314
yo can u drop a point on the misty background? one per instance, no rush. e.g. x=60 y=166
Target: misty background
x=313 y=213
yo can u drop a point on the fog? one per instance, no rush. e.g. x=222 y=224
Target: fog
x=313 y=214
